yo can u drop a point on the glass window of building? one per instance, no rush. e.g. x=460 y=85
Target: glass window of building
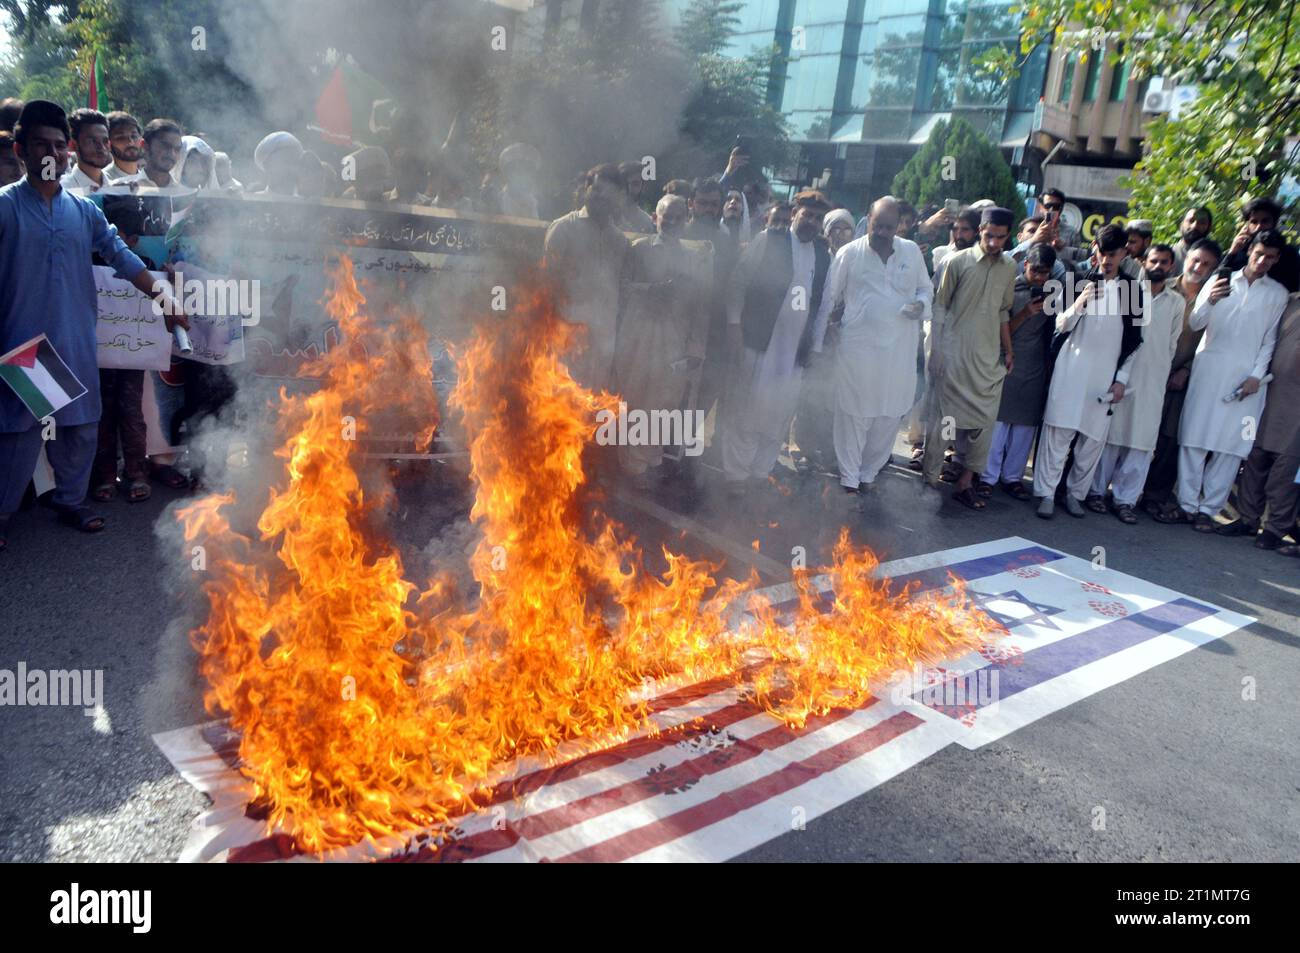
x=1095 y=59
x=1067 y=77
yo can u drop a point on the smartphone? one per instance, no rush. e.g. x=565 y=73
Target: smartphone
x=1224 y=273
x=743 y=144
x=952 y=207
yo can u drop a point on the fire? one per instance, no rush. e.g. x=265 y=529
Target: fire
x=368 y=705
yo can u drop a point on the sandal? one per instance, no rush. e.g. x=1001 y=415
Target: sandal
x=1017 y=491
x=983 y=490
x=1095 y=503
x=1203 y=523
x=1174 y=514
x=1288 y=549
x=80 y=517
x=104 y=492
x=969 y=499
x=1125 y=514
x=169 y=476
x=139 y=491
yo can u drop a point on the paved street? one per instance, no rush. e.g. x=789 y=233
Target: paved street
x=1185 y=768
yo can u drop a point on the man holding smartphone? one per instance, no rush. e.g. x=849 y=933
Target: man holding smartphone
x=1240 y=316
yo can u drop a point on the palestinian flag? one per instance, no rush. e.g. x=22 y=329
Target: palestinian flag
x=353 y=108
x=39 y=377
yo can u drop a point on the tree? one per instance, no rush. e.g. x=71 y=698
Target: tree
x=957 y=162
x=1229 y=145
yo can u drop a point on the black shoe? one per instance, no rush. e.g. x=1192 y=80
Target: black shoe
x=1267 y=540
x=1237 y=527
x=1173 y=514
x=1095 y=503
x=1203 y=523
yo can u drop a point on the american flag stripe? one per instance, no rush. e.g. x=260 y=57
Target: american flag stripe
x=629 y=844
x=640 y=788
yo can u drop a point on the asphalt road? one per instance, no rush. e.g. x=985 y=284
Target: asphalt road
x=1186 y=769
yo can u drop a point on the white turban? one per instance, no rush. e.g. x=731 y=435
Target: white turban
x=272 y=144
x=839 y=215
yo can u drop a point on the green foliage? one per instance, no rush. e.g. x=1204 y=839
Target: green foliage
x=1245 y=57
x=977 y=170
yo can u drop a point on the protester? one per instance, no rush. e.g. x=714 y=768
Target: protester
x=633 y=217
x=1267 y=492
x=90 y=141
x=663 y=329
x=315 y=179
x=1092 y=371
x=198 y=165
x=779 y=217
x=519 y=164
x=776 y=291
x=970 y=351
x=162 y=154
x=48 y=288
x=10 y=110
x=883 y=284
x=1024 y=390
x=11 y=167
x=410 y=176
x=585 y=252
x=962 y=234
x=1200 y=263
x=813 y=422
x=277 y=157
x=126 y=142
x=1196 y=224
x=1260 y=215
x=1139 y=232
x=735 y=216
x=1240 y=317
x=225 y=178
x=371 y=174
x=1131 y=439
x=705 y=207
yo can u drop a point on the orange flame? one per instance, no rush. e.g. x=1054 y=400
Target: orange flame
x=367 y=706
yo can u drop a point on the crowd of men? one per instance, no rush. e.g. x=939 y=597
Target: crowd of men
x=1136 y=376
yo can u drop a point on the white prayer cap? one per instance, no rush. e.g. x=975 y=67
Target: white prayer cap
x=192 y=144
x=840 y=215
x=983 y=203
x=274 y=143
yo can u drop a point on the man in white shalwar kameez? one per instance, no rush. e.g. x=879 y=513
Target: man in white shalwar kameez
x=1095 y=362
x=886 y=291
x=585 y=252
x=776 y=290
x=1240 y=317
x=1131 y=440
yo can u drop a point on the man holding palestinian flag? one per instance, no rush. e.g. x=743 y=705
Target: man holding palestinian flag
x=47 y=320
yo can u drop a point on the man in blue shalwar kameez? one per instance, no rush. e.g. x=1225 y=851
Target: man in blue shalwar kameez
x=47 y=287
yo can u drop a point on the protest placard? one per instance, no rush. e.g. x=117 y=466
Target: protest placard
x=129 y=334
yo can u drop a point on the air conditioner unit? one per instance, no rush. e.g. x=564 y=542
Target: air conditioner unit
x=1158 y=101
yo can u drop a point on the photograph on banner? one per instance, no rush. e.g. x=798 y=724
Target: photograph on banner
x=142 y=219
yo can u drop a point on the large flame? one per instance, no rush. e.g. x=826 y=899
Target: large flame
x=368 y=706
